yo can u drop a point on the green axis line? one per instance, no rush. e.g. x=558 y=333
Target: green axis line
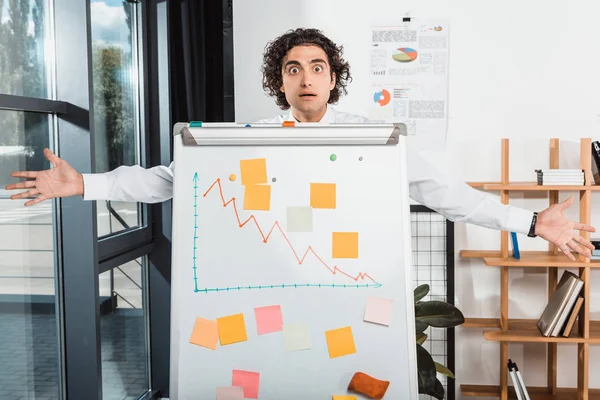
x=195 y=228
x=374 y=285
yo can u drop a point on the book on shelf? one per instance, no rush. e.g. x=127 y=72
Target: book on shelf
x=573 y=317
x=559 y=307
x=560 y=177
x=596 y=162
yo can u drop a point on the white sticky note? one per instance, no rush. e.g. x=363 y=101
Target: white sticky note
x=296 y=337
x=230 y=393
x=299 y=219
x=378 y=311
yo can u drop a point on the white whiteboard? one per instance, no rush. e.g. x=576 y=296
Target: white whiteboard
x=221 y=269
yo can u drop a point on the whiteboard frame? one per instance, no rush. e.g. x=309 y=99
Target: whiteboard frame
x=186 y=136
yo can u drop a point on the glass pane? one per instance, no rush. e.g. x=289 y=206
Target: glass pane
x=116 y=112
x=29 y=348
x=24 y=35
x=124 y=332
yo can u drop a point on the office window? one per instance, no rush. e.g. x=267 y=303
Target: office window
x=123 y=329
x=116 y=112
x=28 y=321
x=24 y=35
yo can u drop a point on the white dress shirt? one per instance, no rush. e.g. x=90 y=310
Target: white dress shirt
x=450 y=197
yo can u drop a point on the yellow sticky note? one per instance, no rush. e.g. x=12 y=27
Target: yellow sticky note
x=344 y=245
x=205 y=333
x=340 y=342
x=343 y=397
x=232 y=329
x=253 y=171
x=322 y=195
x=257 y=197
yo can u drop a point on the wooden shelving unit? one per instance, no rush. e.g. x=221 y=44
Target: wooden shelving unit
x=505 y=330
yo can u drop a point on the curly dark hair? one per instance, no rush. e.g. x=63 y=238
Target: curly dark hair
x=276 y=50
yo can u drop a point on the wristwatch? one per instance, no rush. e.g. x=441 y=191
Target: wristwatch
x=532 y=227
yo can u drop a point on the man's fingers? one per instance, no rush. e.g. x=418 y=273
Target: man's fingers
x=24 y=174
x=566 y=204
x=565 y=249
x=579 y=249
x=584 y=227
x=21 y=185
x=38 y=199
x=584 y=242
x=51 y=157
x=24 y=195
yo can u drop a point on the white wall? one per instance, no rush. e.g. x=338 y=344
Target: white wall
x=526 y=70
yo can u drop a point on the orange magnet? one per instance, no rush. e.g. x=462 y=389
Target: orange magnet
x=288 y=123
x=232 y=177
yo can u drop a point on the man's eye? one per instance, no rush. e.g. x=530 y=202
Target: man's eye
x=294 y=70
x=318 y=68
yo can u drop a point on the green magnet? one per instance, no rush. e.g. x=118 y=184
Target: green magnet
x=333 y=157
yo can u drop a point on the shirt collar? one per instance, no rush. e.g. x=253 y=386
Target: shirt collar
x=328 y=117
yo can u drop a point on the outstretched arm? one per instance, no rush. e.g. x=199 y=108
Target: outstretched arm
x=126 y=183
x=459 y=202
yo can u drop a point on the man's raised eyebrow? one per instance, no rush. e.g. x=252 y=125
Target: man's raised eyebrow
x=313 y=61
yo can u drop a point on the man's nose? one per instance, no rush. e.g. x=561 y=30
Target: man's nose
x=305 y=81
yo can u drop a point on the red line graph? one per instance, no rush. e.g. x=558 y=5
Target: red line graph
x=334 y=270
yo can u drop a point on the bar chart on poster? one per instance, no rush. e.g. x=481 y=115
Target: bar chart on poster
x=291 y=263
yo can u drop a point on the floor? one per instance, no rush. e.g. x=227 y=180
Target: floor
x=28 y=354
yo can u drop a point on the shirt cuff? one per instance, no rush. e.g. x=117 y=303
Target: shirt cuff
x=519 y=220
x=95 y=187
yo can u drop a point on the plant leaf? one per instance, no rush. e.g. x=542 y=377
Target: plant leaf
x=438 y=390
x=444 y=370
x=420 y=326
x=426 y=370
x=421 y=291
x=439 y=314
x=421 y=338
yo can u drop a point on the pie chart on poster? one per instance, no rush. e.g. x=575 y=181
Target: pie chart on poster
x=404 y=55
x=383 y=97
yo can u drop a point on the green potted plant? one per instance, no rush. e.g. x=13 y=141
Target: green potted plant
x=437 y=314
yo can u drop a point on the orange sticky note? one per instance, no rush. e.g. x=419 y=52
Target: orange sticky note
x=344 y=397
x=340 y=342
x=322 y=195
x=344 y=245
x=253 y=171
x=257 y=197
x=232 y=329
x=205 y=333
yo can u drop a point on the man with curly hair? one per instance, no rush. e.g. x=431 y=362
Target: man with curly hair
x=305 y=72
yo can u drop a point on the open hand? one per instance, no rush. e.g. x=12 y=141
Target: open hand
x=60 y=181
x=555 y=228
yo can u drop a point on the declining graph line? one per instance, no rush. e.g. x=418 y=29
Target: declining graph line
x=265 y=238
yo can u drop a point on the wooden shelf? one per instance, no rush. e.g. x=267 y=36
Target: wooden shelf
x=539 y=259
x=480 y=185
x=530 y=186
x=526 y=330
x=536 y=393
x=496 y=253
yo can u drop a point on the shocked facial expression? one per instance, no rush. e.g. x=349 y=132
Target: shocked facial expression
x=307 y=81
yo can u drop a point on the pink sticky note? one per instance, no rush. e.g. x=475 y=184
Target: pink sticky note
x=378 y=310
x=248 y=380
x=230 y=393
x=268 y=319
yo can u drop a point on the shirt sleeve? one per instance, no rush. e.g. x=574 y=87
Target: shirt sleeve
x=130 y=184
x=459 y=202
